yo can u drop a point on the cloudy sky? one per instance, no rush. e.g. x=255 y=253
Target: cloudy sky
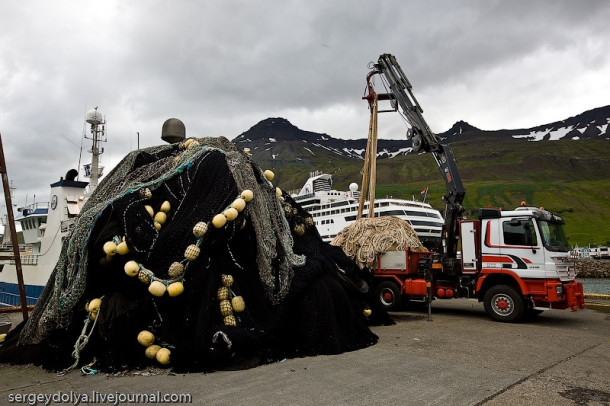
x=222 y=66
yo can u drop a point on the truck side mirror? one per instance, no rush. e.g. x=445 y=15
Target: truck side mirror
x=528 y=235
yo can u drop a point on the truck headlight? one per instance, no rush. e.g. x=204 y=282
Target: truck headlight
x=559 y=290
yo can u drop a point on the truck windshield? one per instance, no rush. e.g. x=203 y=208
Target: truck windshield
x=553 y=236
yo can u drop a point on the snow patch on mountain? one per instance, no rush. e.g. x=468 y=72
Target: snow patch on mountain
x=551 y=135
x=401 y=151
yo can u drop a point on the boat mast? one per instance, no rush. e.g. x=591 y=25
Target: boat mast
x=97 y=135
x=14 y=242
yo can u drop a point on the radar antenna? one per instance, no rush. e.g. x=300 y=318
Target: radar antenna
x=98 y=135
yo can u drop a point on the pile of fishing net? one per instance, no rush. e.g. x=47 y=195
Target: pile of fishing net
x=367 y=238
x=186 y=255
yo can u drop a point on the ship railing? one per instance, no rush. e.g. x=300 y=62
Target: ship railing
x=303 y=197
x=33 y=206
x=12 y=300
x=30 y=259
x=8 y=247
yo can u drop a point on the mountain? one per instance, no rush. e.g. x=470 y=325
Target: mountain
x=567 y=170
x=590 y=125
x=276 y=140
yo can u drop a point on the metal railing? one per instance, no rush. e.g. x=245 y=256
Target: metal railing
x=12 y=300
x=31 y=259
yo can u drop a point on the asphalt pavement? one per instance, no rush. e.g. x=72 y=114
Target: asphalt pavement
x=460 y=357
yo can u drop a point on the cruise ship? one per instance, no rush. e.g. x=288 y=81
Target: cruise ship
x=333 y=210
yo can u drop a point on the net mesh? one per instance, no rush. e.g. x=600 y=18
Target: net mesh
x=302 y=297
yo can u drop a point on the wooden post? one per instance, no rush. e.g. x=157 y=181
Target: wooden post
x=11 y=223
x=373 y=161
x=369 y=171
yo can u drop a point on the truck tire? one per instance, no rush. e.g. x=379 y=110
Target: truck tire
x=388 y=295
x=503 y=303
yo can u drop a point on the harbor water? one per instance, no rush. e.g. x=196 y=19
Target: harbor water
x=595 y=285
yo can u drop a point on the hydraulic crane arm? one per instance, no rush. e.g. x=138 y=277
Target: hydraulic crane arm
x=422 y=138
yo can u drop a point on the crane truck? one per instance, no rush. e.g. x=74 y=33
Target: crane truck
x=514 y=261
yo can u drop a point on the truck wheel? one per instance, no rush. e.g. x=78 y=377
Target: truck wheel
x=504 y=303
x=388 y=295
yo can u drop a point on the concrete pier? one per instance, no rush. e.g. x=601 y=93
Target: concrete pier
x=461 y=357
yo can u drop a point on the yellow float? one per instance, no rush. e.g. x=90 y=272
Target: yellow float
x=160 y=217
x=110 y=248
x=230 y=214
x=146 y=338
x=166 y=207
x=175 y=289
x=122 y=248
x=239 y=204
x=162 y=356
x=151 y=351
x=247 y=195
x=132 y=268
x=238 y=304
x=157 y=288
x=94 y=305
x=219 y=220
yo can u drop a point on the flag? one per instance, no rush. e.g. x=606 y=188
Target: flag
x=424 y=190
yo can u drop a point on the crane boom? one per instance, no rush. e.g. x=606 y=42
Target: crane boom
x=422 y=138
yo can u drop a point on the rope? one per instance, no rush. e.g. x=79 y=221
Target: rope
x=369 y=172
x=80 y=344
x=373 y=159
x=368 y=238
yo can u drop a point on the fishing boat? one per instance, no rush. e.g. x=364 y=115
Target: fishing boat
x=333 y=210
x=45 y=225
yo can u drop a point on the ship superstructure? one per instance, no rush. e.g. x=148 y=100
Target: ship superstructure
x=333 y=210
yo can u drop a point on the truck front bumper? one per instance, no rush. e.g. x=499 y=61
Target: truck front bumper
x=563 y=295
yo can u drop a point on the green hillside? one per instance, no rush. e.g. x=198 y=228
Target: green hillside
x=570 y=178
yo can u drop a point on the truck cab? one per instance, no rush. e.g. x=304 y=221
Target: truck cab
x=520 y=261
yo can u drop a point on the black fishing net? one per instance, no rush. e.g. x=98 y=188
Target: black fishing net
x=191 y=277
